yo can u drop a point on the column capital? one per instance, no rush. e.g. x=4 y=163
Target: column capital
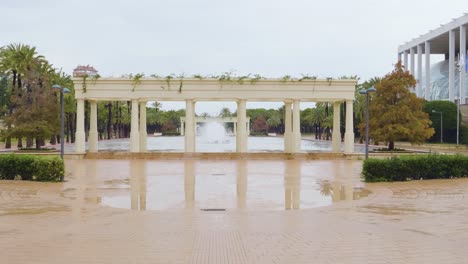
x=288 y=101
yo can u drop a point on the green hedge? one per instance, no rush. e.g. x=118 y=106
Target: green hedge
x=415 y=167
x=30 y=167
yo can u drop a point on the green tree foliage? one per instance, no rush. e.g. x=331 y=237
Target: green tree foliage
x=396 y=113
x=449 y=116
x=33 y=106
x=360 y=104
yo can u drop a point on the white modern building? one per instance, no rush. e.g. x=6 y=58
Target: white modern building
x=439 y=81
x=292 y=93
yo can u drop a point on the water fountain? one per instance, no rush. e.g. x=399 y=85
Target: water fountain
x=213 y=133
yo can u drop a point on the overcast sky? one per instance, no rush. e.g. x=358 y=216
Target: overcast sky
x=269 y=37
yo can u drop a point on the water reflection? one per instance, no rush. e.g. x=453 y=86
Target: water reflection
x=292 y=185
x=340 y=192
x=189 y=183
x=138 y=186
x=240 y=184
x=228 y=144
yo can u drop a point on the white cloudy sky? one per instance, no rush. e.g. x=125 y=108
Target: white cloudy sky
x=269 y=37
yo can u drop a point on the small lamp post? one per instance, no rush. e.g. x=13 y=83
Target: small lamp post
x=441 y=125
x=62 y=91
x=366 y=92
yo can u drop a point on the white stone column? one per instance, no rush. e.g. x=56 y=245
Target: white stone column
x=190 y=125
x=296 y=126
x=182 y=127
x=405 y=59
x=93 y=132
x=349 y=133
x=412 y=61
x=419 y=83
x=287 y=128
x=463 y=89
x=336 y=136
x=143 y=133
x=134 y=128
x=399 y=56
x=241 y=138
x=451 y=65
x=427 y=50
x=80 y=139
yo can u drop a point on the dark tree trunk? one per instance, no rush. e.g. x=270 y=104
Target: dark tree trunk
x=29 y=142
x=38 y=143
x=391 y=145
x=20 y=142
x=73 y=127
x=109 y=121
x=87 y=110
x=20 y=85
x=53 y=140
x=8 y=143
x=342 y=118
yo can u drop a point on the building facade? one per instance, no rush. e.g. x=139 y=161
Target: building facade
x=446 y=80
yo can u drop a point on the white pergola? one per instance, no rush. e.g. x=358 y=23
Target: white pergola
x=195 y=90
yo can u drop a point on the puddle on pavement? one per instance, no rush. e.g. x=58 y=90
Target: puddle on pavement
x=210 y=184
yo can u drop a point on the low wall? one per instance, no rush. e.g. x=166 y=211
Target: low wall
x=218 y=156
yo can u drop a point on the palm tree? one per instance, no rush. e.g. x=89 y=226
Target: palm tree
x=18 y=60
x=316 y=118
x=274 y=120
x=225 y=112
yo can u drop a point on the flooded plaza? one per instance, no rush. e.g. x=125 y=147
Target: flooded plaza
x=217 y=185
x=231 y=211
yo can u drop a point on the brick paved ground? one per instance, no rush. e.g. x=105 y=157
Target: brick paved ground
x=413 y=222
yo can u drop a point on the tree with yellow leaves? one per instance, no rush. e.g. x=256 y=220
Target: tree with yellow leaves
x=395 y=111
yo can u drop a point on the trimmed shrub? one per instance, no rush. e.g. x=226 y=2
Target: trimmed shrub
x=29 y=167
x=415 y=167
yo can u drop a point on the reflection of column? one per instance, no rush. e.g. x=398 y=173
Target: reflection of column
x=80 y=144
x=182 y=128
x=287 y=127
x=336 y=137
x=292 y=184
x=189 y=125
x=134 y=131
x=234 y=128
x=93 y=133
x=138 y=185
x=241 y=139
x=336 y=192
x=189 y=183
x=241 y=183
x=143 y=133
x=349 y=133
x=427 y=50
x=296 y=127
x=248 y=127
